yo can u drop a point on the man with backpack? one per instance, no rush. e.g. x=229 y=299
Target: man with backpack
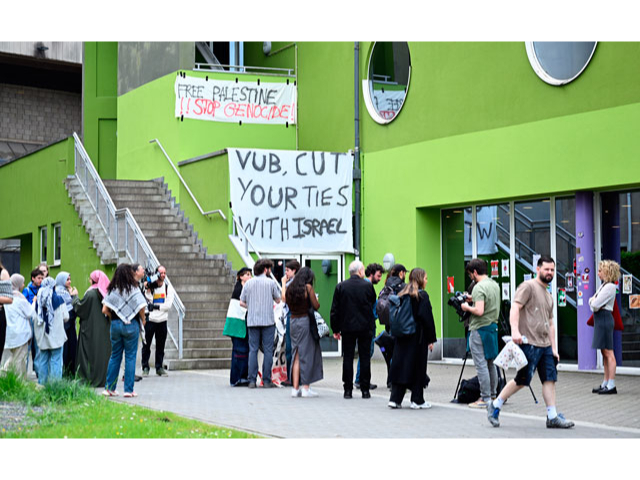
x=393 y=285
x=483 y=329
x=352 y=321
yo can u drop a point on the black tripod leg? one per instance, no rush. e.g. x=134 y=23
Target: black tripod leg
x=455 y=395
x=534 y=395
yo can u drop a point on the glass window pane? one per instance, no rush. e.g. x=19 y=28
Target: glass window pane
x=389 y=72
x=493 y=240
x=563 y=60
x=456 y=252
x=621 y=242
x=565 y=279
x=532 y=225
x=56 y=243
x=43 y=244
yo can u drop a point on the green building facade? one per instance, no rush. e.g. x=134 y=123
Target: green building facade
x=480 y=157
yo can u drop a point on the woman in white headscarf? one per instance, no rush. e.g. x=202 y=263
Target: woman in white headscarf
x=5 y=299
x=49 y=331
x=67 y=293
x=19 y=315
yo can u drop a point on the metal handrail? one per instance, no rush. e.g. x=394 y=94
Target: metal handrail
x=242 y=69
x=140 y=242
x=246 y=237
x=185 y=183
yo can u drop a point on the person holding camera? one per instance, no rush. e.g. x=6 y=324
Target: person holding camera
x=483 y=329
x=159 y=295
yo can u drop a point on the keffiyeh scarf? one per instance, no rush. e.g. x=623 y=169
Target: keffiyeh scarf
x=125 y=304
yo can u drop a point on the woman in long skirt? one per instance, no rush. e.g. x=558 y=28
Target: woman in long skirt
x=236 y=329
x=305 y=350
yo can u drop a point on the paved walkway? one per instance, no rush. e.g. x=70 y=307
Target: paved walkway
x=207 y=396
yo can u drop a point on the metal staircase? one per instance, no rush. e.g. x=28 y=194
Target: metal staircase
x=139 y=222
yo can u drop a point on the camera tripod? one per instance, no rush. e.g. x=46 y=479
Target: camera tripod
x=504 y=325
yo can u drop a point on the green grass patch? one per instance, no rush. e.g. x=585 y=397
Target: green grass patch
x=70 y=409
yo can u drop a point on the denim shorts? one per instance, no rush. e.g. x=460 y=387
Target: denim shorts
x=541 y=358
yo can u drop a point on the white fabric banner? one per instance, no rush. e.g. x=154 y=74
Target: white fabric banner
x=228 y=101
x=486 y=220
x=291 y=201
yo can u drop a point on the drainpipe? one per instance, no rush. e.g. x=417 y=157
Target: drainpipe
x=356 y=163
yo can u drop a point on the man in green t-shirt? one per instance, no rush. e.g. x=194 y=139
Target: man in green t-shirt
x=483 y=329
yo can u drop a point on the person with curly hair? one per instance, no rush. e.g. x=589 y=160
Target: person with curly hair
x=601 y=304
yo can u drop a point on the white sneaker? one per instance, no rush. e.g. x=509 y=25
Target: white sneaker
x=415 y=406
x=394 y=405
x=307 y=392
x=295 y=392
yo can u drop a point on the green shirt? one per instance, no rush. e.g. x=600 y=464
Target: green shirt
x=486 y=291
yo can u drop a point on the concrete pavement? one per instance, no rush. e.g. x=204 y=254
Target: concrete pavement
x=207 y=396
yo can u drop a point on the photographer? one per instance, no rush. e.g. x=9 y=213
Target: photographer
x=159 y=297
x=483 y=329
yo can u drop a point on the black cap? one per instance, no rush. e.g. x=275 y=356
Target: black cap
x=398 y=267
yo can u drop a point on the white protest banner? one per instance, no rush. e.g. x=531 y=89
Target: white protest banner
x=234 y=102
x=486 y=224
x=291 y=201
x=387 y=100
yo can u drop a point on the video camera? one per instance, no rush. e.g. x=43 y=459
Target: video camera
x=456 y=302
x=151 y=277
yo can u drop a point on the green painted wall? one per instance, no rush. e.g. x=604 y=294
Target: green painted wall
x=594 y=150
x=148 y=112
x=43 y=200
x=463 y=87
x=100 y=77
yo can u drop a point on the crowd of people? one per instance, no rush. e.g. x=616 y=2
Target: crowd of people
x=42 y=319
x=73 y=337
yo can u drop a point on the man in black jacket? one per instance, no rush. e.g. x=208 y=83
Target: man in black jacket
x=352 y=321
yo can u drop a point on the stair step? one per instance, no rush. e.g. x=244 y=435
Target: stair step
x=207 y=314
x=206 y=343
x=201 y=363
x=205 y=296
x=210 y=324
x=201 y=333
x=202 y=353
x=214 y=305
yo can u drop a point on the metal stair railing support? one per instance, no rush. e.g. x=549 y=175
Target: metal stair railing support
x=120 y=237
x=155 y=140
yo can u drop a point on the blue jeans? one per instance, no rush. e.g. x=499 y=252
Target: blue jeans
x=124 y=338
x=261 y=336
x=48 y=365
x=370 y=355
x=540 y=358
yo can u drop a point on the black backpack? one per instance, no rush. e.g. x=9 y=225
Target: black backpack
x=382 y=307
x=469 y=390
x=401 y=316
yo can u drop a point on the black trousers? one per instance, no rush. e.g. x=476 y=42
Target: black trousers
x=348 y=352
x=160 y=331
x=398 y=391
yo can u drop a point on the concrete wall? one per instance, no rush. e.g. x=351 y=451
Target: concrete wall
x=60 y=51
x=142 y=62
x=32 y=117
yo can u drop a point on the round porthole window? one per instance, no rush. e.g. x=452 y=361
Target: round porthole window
x=559 y=63
x=385 y=88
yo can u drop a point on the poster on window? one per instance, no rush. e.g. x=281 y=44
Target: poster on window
x=495 y=268
x=235 y=102
x=505 y=267
x=569 y=279
x=450 y=287
x=506 y=291
x=534 y=262
x=627 y=284
x=562 y=297
x=293 y=201
x=487 y=227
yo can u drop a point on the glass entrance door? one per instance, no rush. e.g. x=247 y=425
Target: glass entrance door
x=328 y=270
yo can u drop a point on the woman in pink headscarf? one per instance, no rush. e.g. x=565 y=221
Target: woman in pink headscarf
x=94 y=343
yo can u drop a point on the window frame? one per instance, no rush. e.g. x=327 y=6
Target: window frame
x=43 y=244
x=57 y=259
